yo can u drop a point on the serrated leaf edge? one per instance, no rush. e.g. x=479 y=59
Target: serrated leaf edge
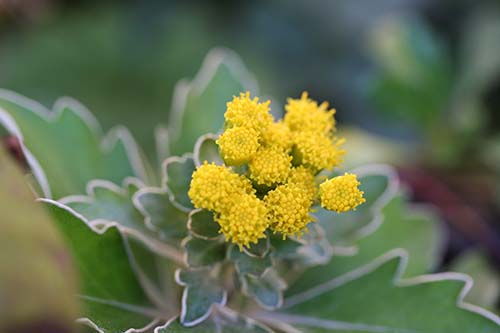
x=398 y=281
x=211 y=63
x=197 y=147
x=107 y=142
x=184 y=300
x=164 y=180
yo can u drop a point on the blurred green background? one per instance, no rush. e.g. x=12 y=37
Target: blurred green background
x=416 y=82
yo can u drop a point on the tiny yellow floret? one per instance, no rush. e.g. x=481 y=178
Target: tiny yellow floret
x=341 y=193
x=289 y=207
x=245 y=222
x=238 y=145
x=247 y=112
x=278 y=135
x=318 y=151
x=213 y=187
x=270 y=166
x=303 y=177
x=304 y=114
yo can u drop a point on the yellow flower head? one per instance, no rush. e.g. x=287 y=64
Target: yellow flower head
x=318 y=151
x=304 y=114
x=213 y=187
x=238 y=145
x=278 y=135
x=303 y=177
x=341 y=193
x=270 y=166
x=289 y=207
x=246 y=112
x=245 y=222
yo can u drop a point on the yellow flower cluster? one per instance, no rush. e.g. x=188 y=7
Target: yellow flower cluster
x=341 y=193
x=278 y=162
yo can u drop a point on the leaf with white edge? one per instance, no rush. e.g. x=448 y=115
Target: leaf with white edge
x=107 y=202
x=206 y=149
x=246 y=264
x=162 y=144
x=379 y=184
x=202 y=225
x=310 y=250
x=374 y=298
x=413 y=228
x=222 y=320
x=177 y=178
x=65 y=148
x=198 y=106
x=109 y=287
x=267 y=290
x=202 y=290
x=37 y=276
x=161 y=214
x=204 y=252
x=486 y=289
x=259 y=249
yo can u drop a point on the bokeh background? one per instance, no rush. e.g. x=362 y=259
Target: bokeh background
x=416 y=83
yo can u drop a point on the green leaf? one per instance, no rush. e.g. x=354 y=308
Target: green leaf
x=127 y=208
x=267 y=289
x=65 y=147
x=403 y=226
x=203 y=252
x=415 y=73
x=250 y=265
x=161 y=214
x=37 y=280
x=222 y=320
x=202 y=290
x=109 y=287
x=198 y=106
x=374 y=298
x=177 y=178
x=206 y=149
x=201 y=224
x=486 y=289
x=379 y=183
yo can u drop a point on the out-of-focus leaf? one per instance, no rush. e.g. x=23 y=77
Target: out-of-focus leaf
x=198 y=106
x=177 y=178
x=37 y=281
x=486 y=288
x=206 y=149
x=374 y=298
x=267 y=289
x=401 y=226
x=414 y=77
x=222 y=320
x=109 y=287
x=65 y=147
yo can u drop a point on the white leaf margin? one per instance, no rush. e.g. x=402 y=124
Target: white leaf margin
x=156 y=246
x=398 y=281
x=164 y=181
x=203 y=317
x=101 y=230
x=107 y=142
x=213 y=60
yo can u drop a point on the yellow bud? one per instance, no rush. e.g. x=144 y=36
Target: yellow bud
x=270 y=166
x=278 y=135
x=289 y=206
x=341 y=193
x=238 y=145
x=318 y=151
x=303 y=177
x=213 y=187
x=245 y=221
x=246 y=112
x=305 y=114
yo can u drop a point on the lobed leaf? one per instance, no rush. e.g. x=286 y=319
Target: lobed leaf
x=65 y=148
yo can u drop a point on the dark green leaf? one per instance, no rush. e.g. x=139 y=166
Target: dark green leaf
x=203 y=252
x=206 y=149
x=177 y=178
x=201 y=224
x=267 y=289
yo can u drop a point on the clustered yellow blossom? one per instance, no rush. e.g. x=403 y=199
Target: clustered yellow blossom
x=276 y=186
